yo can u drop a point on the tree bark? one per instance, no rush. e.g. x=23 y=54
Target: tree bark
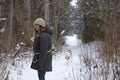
x=9 y=27
x=27 y=21
x=46 y=12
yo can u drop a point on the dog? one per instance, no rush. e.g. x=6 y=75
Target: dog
x=68 y=56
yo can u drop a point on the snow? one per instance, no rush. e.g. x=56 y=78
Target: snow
x=62 y=32
x=72 y=40
x=18 y=46
x=85 y=63
x=2 y=19
x=73 y=2
x=61 y=69
x=2 y=30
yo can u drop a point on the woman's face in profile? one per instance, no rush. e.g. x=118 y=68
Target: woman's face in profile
x=36 y=27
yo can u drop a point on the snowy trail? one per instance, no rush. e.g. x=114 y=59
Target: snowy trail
x=87 y=64
x=61 y=70
x=84 y=59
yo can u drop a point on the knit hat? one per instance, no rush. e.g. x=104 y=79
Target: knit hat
x=39 y=21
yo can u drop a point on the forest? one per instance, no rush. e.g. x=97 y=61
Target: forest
x=90 y=20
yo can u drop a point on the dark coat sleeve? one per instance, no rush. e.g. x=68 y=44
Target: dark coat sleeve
x=44 y=43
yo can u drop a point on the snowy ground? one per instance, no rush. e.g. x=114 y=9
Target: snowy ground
x=85 y=64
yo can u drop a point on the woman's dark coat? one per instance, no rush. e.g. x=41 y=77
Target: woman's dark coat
x=42 y=59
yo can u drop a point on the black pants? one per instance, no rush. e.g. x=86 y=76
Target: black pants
x=41 y=75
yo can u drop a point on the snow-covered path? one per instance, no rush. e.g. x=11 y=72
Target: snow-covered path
x=86 y=64
x=61 y=70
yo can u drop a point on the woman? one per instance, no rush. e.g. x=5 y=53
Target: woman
x=42 y=60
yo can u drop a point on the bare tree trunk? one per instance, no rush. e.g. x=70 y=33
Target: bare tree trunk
x=46 y=14
x=0 y=10
x=55 y=31
x=9 y=27
x=55 y=26
x=27 y=20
